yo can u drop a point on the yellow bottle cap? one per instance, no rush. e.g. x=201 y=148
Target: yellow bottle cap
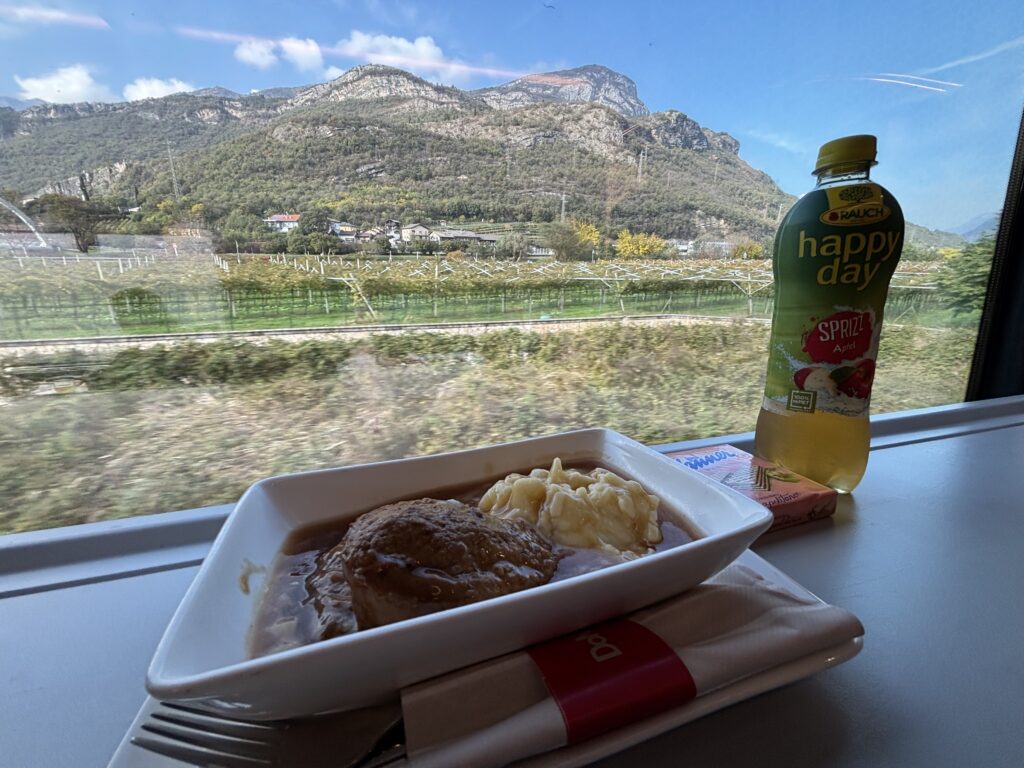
x=849 y=149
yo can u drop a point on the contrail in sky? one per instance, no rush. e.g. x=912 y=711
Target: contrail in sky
x=925 y=79
x=1001 y=48
x=33 y=13
x=902 y=82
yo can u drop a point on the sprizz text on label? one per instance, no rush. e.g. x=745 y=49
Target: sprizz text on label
x=833 y=330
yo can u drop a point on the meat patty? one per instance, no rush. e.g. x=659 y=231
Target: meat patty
x=416 y=557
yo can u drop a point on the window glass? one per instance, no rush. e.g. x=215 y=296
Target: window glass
x=239 y=239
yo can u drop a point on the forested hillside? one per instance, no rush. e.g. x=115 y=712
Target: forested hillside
x=380 y=143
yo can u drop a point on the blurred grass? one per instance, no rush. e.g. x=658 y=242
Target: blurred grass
x=148 y=446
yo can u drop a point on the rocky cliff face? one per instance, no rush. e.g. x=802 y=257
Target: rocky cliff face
x=216 y=92
x=374 y=82
x=47 y=111
x=722 y=141
x=97 y=182
x=591 y=83
x=675 y=130
x=208 y=106
x=584 y=126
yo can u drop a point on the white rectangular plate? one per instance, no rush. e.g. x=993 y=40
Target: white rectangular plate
x=202 y=656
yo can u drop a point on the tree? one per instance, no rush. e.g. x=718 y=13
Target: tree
x=640 y=246
x=242 y=226
x=915 y=252
x=571 y=240
x=748 y=250
x=297 y=242
x=512 y=246
x=449 y=246
x=321 y=242
x=964 y=280
x=81 y=218
x=586 y=233
x=315 y=219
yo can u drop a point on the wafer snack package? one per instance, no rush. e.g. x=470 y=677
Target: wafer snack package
x=792 y=498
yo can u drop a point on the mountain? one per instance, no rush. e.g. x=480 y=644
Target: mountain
x=932 y=238
x=280 y=92
x=217 y=92
x=378 y=142
x=18 y=104
x=590 y=83
x=978 y=227
x=377 y=83
x=50 y=142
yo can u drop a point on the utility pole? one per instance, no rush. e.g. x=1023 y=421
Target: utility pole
x=563 y=207
x=640 y=165
x=716 y=170
x=174 y=176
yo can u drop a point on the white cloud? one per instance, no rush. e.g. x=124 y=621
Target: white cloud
x=332 y=72
x=257 y=53
x=37 y=15
x=66 y=85
x=422 y=55
x=303 y=54
x=154 y=88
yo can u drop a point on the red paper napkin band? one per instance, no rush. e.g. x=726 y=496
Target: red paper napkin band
x=612 y=675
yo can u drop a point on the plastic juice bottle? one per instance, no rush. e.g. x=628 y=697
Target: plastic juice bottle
x=833 y=257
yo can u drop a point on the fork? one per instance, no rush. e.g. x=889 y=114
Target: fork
x=366 y=738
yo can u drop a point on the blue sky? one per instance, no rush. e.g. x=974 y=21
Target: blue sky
x=782 y=77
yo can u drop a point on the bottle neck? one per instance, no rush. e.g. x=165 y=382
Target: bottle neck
x=844 y=173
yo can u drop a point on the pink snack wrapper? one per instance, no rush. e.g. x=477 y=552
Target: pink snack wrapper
x=792 y=498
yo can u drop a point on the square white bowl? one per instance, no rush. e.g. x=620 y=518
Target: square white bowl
x=202 y=657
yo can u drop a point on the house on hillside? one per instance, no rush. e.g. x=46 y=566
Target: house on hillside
x=366 y=235
x=393 y=227
x=683 y=247
x=343 y=230
x=415 y=231
x=440 y=235
x=378 y=232
x=283 y=222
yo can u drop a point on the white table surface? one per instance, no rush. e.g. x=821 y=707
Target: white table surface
x=927 y=552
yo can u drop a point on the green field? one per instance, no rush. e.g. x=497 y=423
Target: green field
x=257 y=293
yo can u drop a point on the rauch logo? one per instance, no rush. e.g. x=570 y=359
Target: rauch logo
x=855 y=215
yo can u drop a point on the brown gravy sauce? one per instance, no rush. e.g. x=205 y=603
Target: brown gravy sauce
x=305 y=601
